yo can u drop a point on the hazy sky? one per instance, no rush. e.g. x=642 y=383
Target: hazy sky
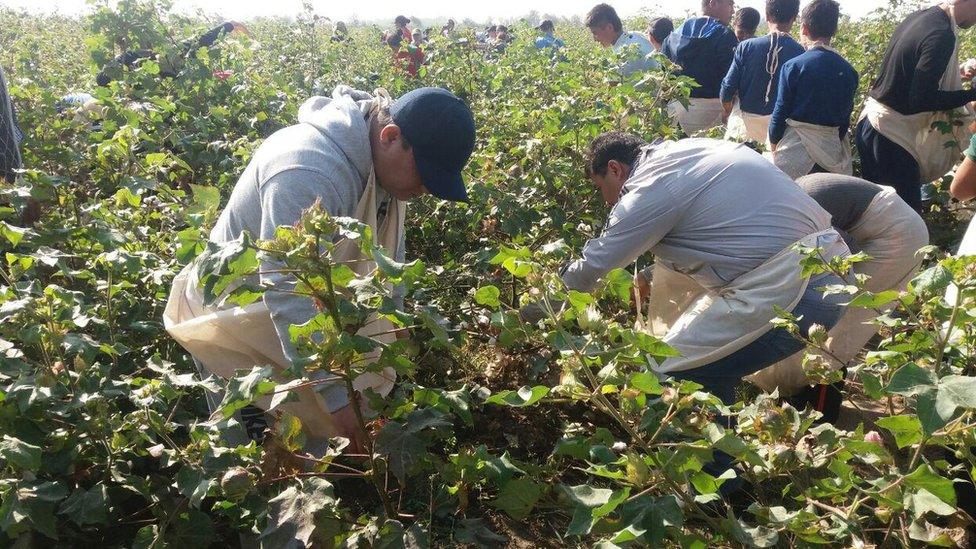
x=379 y=9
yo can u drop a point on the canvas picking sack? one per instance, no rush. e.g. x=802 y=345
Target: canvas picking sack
x=225 y=338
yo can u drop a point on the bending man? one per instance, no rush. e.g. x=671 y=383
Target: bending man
x=358 y=156
x=721 y=222
x=879 y=223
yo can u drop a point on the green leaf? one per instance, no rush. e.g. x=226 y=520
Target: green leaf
x=871 y=300
x=206 y=202
x=517 y=498
x=924 y=477
x=933 y=280
x=619 y=283
x=955 y=392
x=243 y=390
x=585 y=499
x=21 y=454
x=911 y=380
x=194 y=484
x=87 y=506
x=488 y=296
x=907 y=429
x=292 y=514
x=475 y=532
x=525 y=396
x=13 y=234
x=926 y=502
x=404 y=443
x=647 y=383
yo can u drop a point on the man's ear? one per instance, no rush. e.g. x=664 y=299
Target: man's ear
x=618 y=169
x=390 y=133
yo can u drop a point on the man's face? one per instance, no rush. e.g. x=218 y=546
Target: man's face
x=395 y=168
x=612 y=181
x=723 y=10
x=605 y=34
x=965 y=12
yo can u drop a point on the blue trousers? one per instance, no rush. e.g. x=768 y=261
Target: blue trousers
x=725 y=374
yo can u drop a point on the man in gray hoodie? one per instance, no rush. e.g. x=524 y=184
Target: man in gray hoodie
x=416 y=145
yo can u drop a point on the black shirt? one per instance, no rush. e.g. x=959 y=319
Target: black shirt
x=917 y=57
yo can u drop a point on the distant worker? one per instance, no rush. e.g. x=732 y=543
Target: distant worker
x=722 y=223
x=918 y=84
x=749 y=89
x=809 y=126
x=746 y=22
x=658 y=30
x=340 y=33
x=169 y=66
x=608 y=31
x=401 y=27
x=548 y=38
x=703 y=48
x=873 y=220
x=448 y=29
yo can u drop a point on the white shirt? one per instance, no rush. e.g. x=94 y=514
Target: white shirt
x=643 y=59
x=713 y=210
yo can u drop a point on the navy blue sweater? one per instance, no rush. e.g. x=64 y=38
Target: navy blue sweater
x=748 y=77
x=817 y=87
x=703 y=48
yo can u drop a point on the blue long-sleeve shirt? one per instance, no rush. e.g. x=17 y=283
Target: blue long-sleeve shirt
x=817 y=87
x=748 y=77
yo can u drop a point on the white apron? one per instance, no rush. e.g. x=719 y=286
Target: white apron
x=701 y=114
x=224 y=338
x=707 y=325
x=891 y=232
x=746 y=126
x=805 y=145
x=914 y=132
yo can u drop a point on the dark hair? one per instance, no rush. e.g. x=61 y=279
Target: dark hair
x=620 y=146
x=547 y=26
x=782 y=11
x=660 y=28
x=820 y=18
x=401 y=20
x=748 y=19
x=601 y=14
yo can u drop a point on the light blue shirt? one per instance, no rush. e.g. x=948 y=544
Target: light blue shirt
x=640 y=60
x=548 y=41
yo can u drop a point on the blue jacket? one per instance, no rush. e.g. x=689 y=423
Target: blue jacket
x=748 y=77
x=817 y=87
x=703 y=48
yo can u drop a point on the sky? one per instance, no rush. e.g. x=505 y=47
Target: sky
x=480 y=11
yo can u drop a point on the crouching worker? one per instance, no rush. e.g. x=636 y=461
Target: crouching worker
x=360 y=156
x=721 y=222
x=880 y=224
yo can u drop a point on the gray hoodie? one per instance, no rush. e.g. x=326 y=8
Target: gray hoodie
x=325 y=157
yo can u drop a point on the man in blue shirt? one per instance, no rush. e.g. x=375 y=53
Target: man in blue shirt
x=548 y=38
x=754 y=75
x=703 y=48
x=808 y=128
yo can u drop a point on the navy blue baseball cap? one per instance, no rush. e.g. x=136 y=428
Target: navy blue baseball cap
x=440 y=130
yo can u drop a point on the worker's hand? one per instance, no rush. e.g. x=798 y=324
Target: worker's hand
x=641 y=290
x=968 y=69
x=346 y=424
